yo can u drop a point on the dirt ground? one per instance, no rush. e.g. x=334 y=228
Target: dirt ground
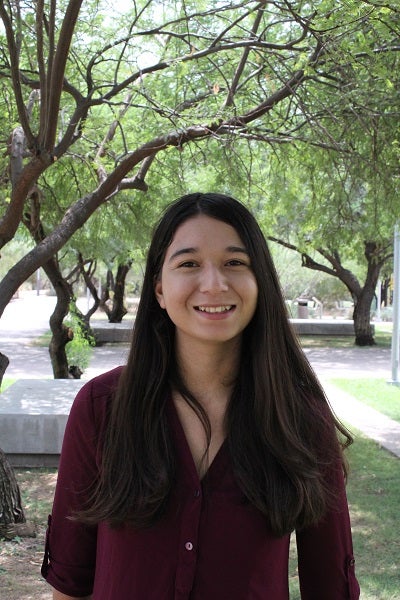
x=21 y=558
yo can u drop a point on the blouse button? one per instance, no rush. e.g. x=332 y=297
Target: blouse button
x=189 y=546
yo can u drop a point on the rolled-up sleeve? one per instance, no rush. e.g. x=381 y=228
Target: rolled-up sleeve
x=325 y=552
x=70 y=552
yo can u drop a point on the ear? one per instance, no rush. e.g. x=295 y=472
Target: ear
x=159 y=293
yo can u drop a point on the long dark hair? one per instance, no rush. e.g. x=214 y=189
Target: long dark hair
x=282 y=435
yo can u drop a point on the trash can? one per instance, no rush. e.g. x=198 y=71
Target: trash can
x=302 y=308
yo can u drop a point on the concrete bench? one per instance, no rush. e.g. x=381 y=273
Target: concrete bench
x=332 y=327
x=112 y=333
x=115 y=333
x=33 y=415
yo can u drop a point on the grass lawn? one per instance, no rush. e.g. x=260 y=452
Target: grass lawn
x=377 y=393
x=373 y=492
x=7 y=381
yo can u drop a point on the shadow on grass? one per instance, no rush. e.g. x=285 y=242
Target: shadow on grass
x=382 y=340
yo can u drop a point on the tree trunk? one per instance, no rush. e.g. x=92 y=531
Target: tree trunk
x=105 y=296
x=61 y=334
x=87 y=275
x=116 y=313
x=385 y=291
x=118 y=310
x=362 y=321
x=373 y=253
x=12 y=517
x=4 y=362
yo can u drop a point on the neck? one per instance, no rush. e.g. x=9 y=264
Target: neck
x=209 y=371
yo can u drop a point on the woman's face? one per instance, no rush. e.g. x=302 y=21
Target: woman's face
x=207 y=285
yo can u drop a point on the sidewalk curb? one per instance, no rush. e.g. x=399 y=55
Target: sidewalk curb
x=372 y=423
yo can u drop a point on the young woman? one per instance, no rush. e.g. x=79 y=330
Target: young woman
x=183 y=474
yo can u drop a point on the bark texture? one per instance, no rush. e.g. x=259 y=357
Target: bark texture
x=4 y=362
x=12 y=516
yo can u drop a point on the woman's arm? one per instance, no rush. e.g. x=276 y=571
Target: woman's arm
x=325 y=552
x=69 y=561
x=60 y=596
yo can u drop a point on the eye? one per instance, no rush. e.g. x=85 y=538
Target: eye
x=188 y=264
x=236 y=262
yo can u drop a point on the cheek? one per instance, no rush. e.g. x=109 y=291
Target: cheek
x=172 y=293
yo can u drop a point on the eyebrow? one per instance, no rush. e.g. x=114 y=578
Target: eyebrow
x=232 y=249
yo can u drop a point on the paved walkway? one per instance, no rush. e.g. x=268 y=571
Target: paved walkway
x=373 y=424
x=25 y=319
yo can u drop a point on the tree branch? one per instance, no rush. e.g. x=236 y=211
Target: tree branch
x=242 y=62
x=109 y=186
x=13 y=48
x=101 y=172
x=336 y=270
x=138 y=181
x=41 y=60
x=56 y=76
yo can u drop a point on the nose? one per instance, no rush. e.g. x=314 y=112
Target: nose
x=213 y=280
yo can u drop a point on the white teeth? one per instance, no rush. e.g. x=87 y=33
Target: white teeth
x=215 y=309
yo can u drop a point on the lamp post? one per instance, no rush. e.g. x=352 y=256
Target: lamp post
x=396 y=309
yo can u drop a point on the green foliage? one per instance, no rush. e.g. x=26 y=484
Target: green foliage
x=79 y=349
x=332 y=200
x=13 y=252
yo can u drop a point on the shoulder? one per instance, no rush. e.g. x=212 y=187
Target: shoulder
x=88 y=417
x=95 y=396
x=104 y=384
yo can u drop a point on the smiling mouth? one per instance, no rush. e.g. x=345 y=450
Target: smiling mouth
x=215 y=309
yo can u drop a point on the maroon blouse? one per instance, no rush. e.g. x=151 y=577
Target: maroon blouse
x=212 y=544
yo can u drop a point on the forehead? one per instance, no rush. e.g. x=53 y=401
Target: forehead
x=203 y=230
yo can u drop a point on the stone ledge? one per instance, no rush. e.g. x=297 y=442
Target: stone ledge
x=33 y=415
x=114 y=333
x=34 y=461
x=333 y=327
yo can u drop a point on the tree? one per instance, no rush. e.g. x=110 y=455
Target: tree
x=345 y=207
x=12 y=517
x=117 y=286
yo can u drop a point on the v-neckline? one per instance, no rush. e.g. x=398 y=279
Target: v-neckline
x=214 y=467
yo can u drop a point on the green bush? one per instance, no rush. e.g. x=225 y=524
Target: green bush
x=79 y=349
